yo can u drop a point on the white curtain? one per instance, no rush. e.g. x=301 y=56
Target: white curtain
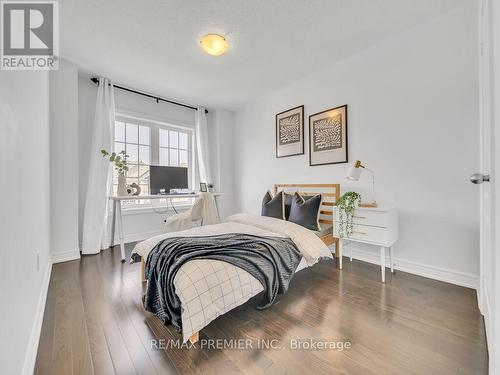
x=95 y=233
x=202 y=146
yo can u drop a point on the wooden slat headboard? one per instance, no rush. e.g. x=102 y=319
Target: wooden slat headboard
x=330 y=194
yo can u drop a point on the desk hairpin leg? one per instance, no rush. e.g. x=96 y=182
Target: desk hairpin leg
x=113 y=225
x=120 y=230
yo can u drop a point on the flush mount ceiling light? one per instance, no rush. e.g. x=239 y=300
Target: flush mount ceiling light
x=214 y=44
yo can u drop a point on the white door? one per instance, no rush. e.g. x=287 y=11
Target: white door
x=489 y=72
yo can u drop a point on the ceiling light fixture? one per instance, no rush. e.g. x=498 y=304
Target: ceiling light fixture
x=214 y=44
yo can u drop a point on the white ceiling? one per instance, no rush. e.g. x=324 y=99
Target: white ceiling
x=153 y=45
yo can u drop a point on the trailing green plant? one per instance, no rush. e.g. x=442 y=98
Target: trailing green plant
x=119 y=160
x=346 y=204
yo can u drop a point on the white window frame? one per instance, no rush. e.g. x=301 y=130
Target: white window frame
x=143 y=205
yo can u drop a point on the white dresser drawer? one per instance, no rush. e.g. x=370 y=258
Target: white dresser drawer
x=367 y=217
x=369 y=234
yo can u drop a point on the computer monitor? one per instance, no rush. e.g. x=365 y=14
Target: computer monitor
x=162 y=179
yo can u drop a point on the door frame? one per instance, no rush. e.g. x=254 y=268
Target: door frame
x=495 y=345
x=489 y=91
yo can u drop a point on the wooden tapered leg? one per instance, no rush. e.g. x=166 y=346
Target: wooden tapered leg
x=143 y=270
x=194 y=338
x=336 y=241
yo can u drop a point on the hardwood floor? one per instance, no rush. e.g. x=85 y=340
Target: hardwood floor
x=94 y=323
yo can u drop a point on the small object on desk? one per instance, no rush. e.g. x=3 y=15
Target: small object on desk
x=203 y=187
x=181 y=191
x=374 y=226
x=133 y=189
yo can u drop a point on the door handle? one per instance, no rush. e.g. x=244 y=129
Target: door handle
x=479 y=178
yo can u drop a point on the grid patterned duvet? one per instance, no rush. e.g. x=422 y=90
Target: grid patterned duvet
x=209 y=288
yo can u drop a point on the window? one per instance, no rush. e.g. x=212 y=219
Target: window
x=173 y=148
x=151 y=143
x=135 y=140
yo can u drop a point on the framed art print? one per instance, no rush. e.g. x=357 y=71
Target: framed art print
x=328 y=136
x=290 y=132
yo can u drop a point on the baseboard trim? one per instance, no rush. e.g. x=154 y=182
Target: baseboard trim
x=65 y=256
x=31 y=351
x=486 y=316
x=420 y=269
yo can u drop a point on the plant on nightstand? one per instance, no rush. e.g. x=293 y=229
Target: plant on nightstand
x=346 y=204
x=119 y=162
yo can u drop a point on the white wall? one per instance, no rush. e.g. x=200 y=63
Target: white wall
x=413 y=110
x=64 y=177
x=24 y=217
x=145 y=223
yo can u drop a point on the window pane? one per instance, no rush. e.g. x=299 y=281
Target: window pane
x=174 y=157
x=144 y=174
x=174 y=139
x=163 y=138
x=119 y=147
x=144 y=155
x=133 y=153
x=133 y=171
x=163 y=156
x=183 y=158
x=119 y=131
x=144 y=189
x=183 y=141
x=144 y=135
x=132 y=135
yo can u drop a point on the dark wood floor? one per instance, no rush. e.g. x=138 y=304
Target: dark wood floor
x=94 y=323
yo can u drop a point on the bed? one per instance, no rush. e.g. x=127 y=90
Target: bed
x=208 y=288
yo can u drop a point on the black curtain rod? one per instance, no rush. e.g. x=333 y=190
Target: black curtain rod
x=157 y=98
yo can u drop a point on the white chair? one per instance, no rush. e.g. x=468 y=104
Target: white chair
x=197 y=212
x=187 y=219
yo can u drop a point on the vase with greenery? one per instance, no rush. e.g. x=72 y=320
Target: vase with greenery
x=346 y=205
x=119 y=161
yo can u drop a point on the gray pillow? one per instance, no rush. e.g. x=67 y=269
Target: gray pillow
x=288 y=198
x=305 y=212
x=288 y=204
x=273 y=207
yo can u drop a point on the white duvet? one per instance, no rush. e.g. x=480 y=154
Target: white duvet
x=209 y=288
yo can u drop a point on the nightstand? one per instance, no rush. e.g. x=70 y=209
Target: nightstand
x=375 y=226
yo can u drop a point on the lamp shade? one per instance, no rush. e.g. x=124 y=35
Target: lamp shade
x=353 y=173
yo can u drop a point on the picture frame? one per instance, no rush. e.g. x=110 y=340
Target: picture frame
x=328 y=137
x=203 y=187
x=290 y=132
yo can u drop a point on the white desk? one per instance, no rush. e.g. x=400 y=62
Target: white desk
x=117 y=213
x=375 y=226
